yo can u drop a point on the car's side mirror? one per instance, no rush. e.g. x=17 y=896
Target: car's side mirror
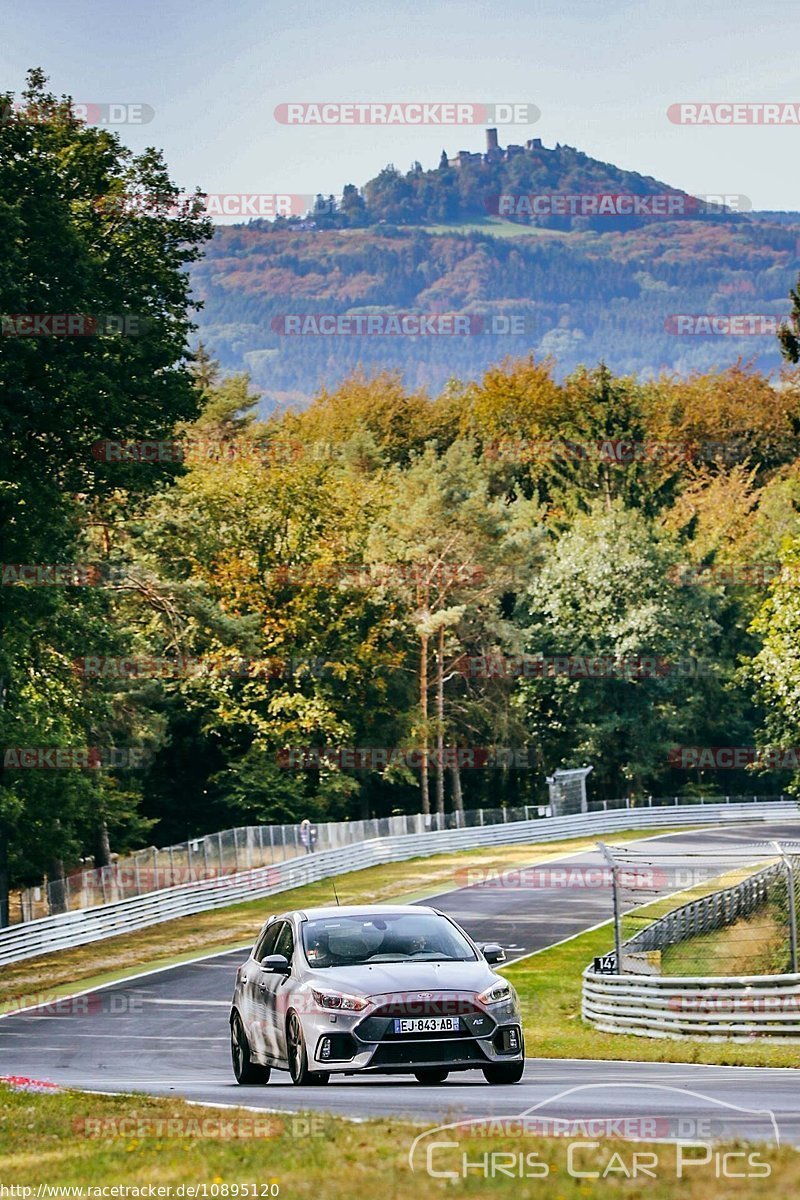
x=493 y=953
x=276 y=964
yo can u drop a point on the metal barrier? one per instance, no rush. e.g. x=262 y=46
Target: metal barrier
x=232 y=850
x=732 y=1008
x=714 y=1007
x=65 y=930
x=711 y=912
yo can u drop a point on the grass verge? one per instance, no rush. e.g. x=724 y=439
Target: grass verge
x=74 y=1140
x=751 y=946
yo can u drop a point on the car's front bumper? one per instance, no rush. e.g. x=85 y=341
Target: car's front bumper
x=368 y=1042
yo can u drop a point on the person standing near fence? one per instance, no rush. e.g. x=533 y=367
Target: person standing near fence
x=308 y=835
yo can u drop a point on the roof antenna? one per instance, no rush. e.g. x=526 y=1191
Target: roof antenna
x=336 y=894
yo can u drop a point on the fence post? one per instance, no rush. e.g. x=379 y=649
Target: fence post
x=607 y=855
x=792 y=911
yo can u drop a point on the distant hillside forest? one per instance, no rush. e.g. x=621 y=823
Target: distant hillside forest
x=577 y=288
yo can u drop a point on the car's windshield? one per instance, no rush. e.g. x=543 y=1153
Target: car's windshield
x=346 y=941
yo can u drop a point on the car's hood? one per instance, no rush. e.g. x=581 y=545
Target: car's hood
x=380 y=978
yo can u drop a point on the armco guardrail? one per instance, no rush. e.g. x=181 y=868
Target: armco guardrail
x=52 y=934
x=715 y=1007
x=725 y=1007
x=709 y=913
x=229 y=851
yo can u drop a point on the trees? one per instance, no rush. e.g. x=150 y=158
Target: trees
x=459 y=549
x=65 y=250
x=627 y=654
x=774 y=671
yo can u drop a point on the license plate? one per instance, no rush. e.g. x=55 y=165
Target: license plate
x=427 y=1025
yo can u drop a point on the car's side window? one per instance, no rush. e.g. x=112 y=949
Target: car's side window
x=268 y=938
x=285 y=942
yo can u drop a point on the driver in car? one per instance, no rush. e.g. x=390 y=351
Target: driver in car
x=319 y=954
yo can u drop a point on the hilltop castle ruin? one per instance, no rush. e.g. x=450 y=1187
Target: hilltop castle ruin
x=493 y=153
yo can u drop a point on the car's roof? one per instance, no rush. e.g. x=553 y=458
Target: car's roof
x=362 y=910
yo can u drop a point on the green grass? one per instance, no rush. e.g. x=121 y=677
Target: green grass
x=751 y=946
x=495 y=226
x=71 y=1139
x=492 y=225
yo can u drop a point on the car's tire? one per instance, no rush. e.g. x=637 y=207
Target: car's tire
x=298 y=1056
x=504 y=1072
x=245 y=1070
x=431 y=1075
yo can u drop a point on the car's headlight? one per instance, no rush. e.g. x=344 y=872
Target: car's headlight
x=495 y=993
x=339 y=1000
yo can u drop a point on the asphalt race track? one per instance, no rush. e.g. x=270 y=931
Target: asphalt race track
x=167 y=1033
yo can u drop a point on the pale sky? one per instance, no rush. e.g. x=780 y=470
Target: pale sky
x=602 y=72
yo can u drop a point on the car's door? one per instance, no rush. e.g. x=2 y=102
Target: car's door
x=255 y=1018
x=275 y=990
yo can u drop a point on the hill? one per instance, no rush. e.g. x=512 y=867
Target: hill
x=581 y=288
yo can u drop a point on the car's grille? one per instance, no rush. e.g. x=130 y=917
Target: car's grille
x=442 y=1006
x=415 y=1054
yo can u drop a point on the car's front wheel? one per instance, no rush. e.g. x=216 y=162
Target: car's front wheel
x=504 y=1072
x=298 y=1056
x=245 y=1070
x=431 y=1075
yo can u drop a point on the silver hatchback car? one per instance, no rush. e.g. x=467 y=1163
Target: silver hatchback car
x=395 y=989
